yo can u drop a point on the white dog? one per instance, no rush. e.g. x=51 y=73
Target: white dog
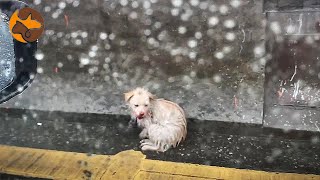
x=163 y=122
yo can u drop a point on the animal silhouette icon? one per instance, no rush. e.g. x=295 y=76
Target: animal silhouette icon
x=28 y=23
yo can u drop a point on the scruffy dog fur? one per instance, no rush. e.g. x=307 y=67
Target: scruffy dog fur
x=163 y=122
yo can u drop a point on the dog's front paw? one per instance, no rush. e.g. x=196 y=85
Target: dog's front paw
x=144 y=141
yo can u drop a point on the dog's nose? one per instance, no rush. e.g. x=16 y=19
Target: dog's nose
x=141 y=114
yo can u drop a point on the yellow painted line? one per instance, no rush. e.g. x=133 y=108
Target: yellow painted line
x=131 y=164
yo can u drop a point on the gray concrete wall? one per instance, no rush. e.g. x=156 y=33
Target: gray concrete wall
x=208 y=56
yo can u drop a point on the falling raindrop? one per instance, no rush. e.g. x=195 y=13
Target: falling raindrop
x=219 y=55
x=182 y=29
x=223 y=9
x=213 y=21
x=229 y=23
x=177 y=3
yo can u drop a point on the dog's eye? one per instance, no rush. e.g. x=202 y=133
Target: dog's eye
x=146 y=105
x=136 y=105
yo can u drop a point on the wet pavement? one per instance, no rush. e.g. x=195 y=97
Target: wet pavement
x=210 y=143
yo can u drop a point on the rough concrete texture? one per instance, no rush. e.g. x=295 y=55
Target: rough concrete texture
x=207 y=56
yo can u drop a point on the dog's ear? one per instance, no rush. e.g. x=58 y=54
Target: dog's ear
x=151 y=96
x=128 y=96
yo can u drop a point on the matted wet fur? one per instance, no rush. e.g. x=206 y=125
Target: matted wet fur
x=163 y=122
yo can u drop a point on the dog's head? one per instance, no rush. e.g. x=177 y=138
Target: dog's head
x=139 y=100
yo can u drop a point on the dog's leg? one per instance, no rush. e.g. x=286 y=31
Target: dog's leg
x=151 y=148
x=148 y=145
x=143 y=134
x=146 y=141
x=160 y=137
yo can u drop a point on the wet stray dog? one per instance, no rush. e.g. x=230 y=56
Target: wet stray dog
x=163 y=122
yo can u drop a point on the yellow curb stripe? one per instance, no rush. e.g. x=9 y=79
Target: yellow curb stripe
x=210 y=172
x=50 y=164
x=131 y=164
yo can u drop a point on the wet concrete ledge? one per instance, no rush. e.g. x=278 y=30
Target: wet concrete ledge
x=235 y=145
